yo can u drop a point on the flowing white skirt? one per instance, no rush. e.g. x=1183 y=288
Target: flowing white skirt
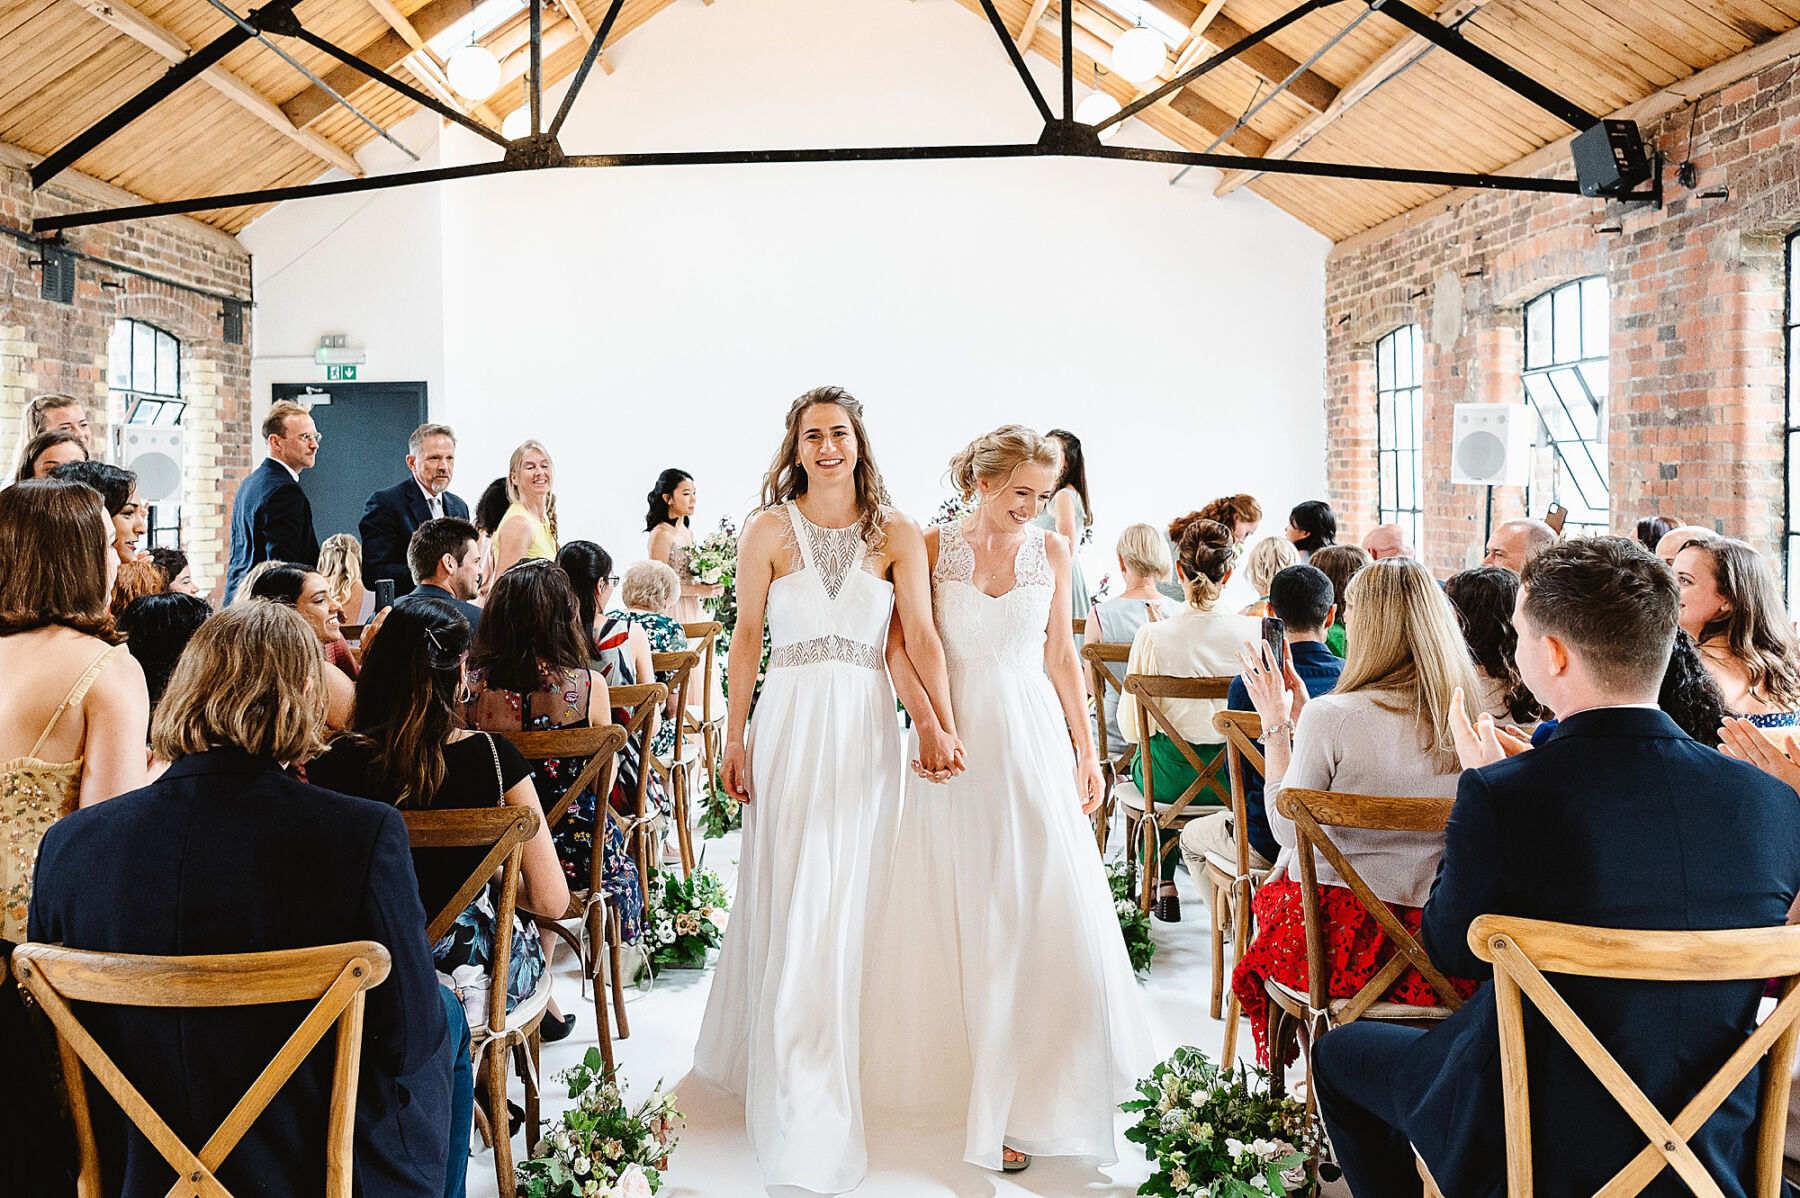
x=781 y=1026
x=998 y=991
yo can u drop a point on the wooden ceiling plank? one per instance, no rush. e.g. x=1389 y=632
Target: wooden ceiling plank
x=1196 y=36
x=1028 y=31
x=1568 y=67
x=1650 y=60
x=385 y=52
x=1309 y=87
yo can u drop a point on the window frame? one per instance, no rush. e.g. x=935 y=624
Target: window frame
x=1790 y=323
x=150 y=405
x=1393 y=459
x=1556 y=390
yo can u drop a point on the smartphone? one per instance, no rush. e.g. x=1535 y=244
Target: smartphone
x=1275 y=637
x=384 y=593
x=1555 y=516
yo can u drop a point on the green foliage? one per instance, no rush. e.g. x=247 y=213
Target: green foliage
x=602 y=1148
x=685 y=918
x=1213 y=1133
x=1134 y=924
x=722 y=814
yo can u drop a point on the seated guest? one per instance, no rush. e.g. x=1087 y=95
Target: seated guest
x=1302 y=599
x=1200 y=641
x=1483 y=598
x=1388 y=540
x=73 y=712
x=226 y=854
x=1383 y=730
x=406 y=749
x=157 y=628
x=445 y=559
x=1238 y=513
x=528 y=671
x=135 y=580
x=392 y=516
x=1143 y=556
x=51 y=414
x=1340 y=564
x=46 y=451
x=1618 y=821
x=1311 y=527
x=305 y=591
x=1673 y=541
x=528 y=529
x=1513 y=543
x=1267 y=558
x=490 y=509
x=1652 y=529
x=251 y=577
x=174 y=565
x=1690 y=697
x=1731 y=605
x=118 y=490
x=650 y=593
x=340 y=565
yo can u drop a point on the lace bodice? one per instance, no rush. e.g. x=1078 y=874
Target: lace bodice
x=833 y=608
x=978 y=629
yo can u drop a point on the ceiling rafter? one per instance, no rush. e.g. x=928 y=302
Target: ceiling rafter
x=1309 y=87
x=385 y=52
x=425 y=66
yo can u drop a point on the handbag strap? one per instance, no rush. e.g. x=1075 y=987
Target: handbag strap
x=499 y=775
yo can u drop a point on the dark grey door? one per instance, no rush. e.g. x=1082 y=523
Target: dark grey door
x=363 y=429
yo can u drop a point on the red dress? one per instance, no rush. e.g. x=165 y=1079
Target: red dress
x=1356 y=948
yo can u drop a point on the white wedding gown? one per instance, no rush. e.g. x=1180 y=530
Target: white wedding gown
x=781 y=1026
x=998 y=992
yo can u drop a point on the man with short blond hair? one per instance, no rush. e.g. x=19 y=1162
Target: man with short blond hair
x=271 y=517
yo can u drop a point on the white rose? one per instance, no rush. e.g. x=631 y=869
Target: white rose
x=1235 y=1147
x=581 y=1166
x=632 y=1183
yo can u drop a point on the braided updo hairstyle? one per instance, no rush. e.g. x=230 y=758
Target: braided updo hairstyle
x=1205 y=558
x=998 y=454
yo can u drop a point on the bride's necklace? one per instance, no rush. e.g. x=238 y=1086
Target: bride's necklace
x=1002 y=557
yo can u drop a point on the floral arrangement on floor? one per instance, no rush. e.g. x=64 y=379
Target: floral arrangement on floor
x=602 y=1149
x=685 y=918
x=1211 y=1133
x=722 y=814
x=1134 y=923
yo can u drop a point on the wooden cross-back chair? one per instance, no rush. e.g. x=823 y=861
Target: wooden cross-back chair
x=336 y=978
x=1313 y=811
x=1115 y=760
x=643 y=826
x=708 y=723
x=684 y=759
x=1148 y=813
x=1233 y=881
x=1523 y=951
x=503 y=832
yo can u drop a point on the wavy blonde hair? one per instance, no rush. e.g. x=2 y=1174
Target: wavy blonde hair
x=1145 y=552
x=1267 y=558
x=512 y=488
x=786 y=481
x=340 y=565
x=253 y=678
x=1405 y=642
x=999 y=454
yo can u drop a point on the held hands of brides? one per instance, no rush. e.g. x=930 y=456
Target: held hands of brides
x=1481 y=742
x=735 y=768
x=1740 y=739
x=1277 y=695
x=940 y=754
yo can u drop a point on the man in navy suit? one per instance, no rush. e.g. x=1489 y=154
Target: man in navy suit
x=1619 y=820
x=271 y=518
x=445 y=559
x=392 y=516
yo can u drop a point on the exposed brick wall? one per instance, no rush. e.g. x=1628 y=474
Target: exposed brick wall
x=46 y=346
x=1697 y=299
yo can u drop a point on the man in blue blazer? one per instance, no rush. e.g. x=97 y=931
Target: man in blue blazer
x=1619 y=820
x=271 y=518
x=392 y=516
x=445 y=559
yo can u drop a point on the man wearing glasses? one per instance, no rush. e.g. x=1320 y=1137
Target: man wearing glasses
x=271 y=518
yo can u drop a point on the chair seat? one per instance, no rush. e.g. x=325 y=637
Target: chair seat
x=522 y=1018
x=1127 y=794
x=1377 y=1010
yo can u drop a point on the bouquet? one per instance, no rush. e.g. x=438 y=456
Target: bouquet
x=603 y=1149
x=952 y=510
x=686 y=918
x=714 y=560
x=1134 y=924
x=1211 y=1134
x=723 y=814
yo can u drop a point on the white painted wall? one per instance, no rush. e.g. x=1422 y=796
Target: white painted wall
x=636 y=319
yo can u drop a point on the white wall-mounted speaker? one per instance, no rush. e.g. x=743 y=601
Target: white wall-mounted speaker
x=157 y=454
x=1491 y=444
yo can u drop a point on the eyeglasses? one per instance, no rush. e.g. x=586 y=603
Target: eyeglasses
x=612 y=580
x=310 y=438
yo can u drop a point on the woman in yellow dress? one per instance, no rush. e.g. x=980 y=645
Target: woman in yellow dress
x=529 y=527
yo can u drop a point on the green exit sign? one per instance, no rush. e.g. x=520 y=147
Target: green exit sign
x=340 y=374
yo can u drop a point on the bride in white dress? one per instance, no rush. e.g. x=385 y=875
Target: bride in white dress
x=820 y=763
x=998 y=990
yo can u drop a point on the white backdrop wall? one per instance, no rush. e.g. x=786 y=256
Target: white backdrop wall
x=649 y=317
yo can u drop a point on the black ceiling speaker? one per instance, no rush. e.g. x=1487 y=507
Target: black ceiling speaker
x=1610 y=158
x=58 y=285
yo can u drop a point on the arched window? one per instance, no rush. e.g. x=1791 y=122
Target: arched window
x=1400 y=428
x=1791 y=318
x=144 y=374
x=1565 y=378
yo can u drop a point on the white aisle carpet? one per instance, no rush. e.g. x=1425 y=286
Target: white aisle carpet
x=715 y=1158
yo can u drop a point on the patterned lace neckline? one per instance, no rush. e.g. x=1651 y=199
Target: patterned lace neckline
x=834 y=552
x=956 y=561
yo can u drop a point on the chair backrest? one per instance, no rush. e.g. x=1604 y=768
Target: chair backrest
x=1151 y=692
x=1524 y=950
x=679 y=666
x=600 y=746
x=1080 y=628
x=1101 y=657
x=334 y=977
x=643 y=700
x=703 y=638
x=1312 y=812
x=1241 y=729
x=502 y=831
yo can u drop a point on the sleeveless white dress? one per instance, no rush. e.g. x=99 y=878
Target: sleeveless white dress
x=998 y=991
x=781 y=1026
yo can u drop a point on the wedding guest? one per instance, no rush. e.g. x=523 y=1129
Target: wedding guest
x=118 y=490
x=1652 y=529
x=1483 y=598
x=1340 y=564
x=528 y=529
x=1690 y=697
x=174 y=564
x=157 y=628
x=669 y=522
x=341 y=566
x=46 y=451
x=1388 y=540
x=490 y=509
x=74 y=711
x=52 y=414
x=134 y=580
x=271 y=516
x=649 y=594
x=1731 y=605
x=1513 y=543
x=1070 y=514
x=1383 y=730
x=227 y=854
x=1673 y=540
x=1311 y=527
x=1267 y=558
x=392 y=515
x=305 y=591
x=250 y=579
x=1199 y=641
x=1239 y=513
x=1143 y=556
x=528 y=671
x=445 y=559
x=1655 y=831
